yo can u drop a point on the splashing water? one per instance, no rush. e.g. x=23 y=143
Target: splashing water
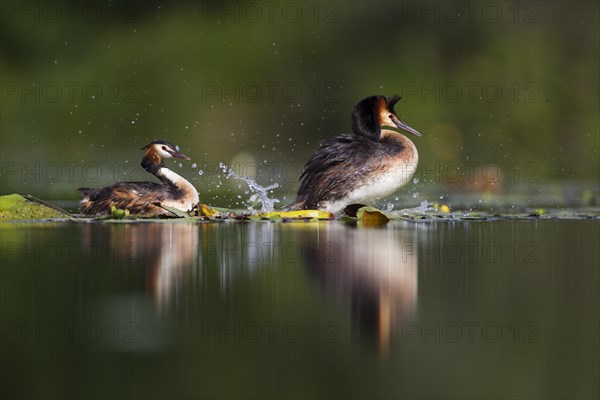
x=424 y=207
x=260 y=193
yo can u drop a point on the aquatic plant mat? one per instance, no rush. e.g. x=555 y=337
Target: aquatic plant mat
x=15 y=207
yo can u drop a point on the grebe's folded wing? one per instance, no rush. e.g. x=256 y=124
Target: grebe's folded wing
x=135 y=196
x=337 y=165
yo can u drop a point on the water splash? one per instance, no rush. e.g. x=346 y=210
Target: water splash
x=259 y=193
x=424 y=207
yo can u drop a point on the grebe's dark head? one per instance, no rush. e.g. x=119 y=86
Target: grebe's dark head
x=162 y=149
x=374 y=112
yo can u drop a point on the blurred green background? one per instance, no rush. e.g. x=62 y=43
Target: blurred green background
x=505 y=93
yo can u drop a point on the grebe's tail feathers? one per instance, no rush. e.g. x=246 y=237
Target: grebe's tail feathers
x=85 y=191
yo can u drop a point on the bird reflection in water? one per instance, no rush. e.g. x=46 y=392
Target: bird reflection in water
x=372 y=268
x=165 y=251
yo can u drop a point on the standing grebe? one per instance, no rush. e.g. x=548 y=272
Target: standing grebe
x=358 y=168
x=145 y=197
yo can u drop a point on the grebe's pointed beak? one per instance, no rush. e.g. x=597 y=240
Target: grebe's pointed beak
x=176 y=154
x=404 y=127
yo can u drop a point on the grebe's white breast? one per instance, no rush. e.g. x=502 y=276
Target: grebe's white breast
x=380 y=184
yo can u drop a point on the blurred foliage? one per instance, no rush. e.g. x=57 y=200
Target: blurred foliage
x=512 y=84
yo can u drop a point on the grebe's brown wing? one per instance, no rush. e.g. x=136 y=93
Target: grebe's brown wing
x=137 y=197
x=334 y=168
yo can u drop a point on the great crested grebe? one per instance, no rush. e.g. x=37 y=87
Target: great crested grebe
x=145 y=197
x=369 y=164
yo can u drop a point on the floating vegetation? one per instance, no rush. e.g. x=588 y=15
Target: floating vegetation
x=298 y=215
x=359 y=213
x=15 y=207
x=212 y=213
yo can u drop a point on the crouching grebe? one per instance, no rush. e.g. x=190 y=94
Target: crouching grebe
x=145 y=197
x=358 y=168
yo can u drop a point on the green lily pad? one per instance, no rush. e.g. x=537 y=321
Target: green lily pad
x=352 y=209
x=299 y=215
x=176 y=212
x=371 y=216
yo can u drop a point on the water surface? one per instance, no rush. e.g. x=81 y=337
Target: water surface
x=462 y=309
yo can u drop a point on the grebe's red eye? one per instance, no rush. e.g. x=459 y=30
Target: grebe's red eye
x=164 y=148
x=391 y=116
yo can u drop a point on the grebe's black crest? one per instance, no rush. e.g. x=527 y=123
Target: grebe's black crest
x=145 y=197
x=171 y=145
x=371 y=163
x=366 y=115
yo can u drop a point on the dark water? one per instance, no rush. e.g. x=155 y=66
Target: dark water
x=157 y=310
